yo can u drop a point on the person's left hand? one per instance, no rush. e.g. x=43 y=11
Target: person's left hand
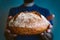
x=48 y=30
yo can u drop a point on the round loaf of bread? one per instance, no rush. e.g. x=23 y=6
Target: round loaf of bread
x=28 y=23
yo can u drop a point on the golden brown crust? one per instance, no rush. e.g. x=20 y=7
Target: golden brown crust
x=27 y=31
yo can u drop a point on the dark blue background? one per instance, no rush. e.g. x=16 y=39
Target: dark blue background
x=52 y=5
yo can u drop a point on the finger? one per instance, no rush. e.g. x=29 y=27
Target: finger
x=14 y=35
x=9 y=17
x=49 y=30
x=51 y=26
x=8 y=31
x=42 y=33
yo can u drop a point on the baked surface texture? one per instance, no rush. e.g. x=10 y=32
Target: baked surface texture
x=28 y=23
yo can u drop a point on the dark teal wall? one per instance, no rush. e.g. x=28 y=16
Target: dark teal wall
x=52 y=5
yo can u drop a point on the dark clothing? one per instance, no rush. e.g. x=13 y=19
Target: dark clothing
x=45 y=12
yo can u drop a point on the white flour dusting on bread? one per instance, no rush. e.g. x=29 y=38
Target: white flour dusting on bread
x=29 y=20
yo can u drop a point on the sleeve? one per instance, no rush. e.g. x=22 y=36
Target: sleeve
x=48 y=15
x=11 y=12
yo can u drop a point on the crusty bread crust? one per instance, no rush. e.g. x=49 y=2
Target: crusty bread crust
x=25 y=30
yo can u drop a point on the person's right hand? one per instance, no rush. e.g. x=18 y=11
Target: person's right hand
x=9 y=35
x=7 y=32
x=9 y=18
